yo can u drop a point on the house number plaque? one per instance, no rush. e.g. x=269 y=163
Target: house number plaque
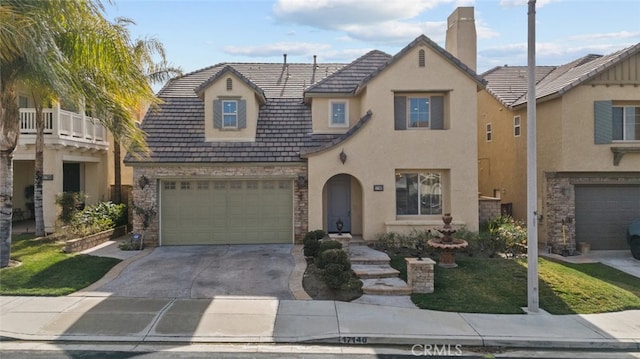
x=378 y=187
x=47 y=177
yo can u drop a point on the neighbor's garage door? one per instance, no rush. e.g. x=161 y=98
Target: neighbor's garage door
x=226 y=212
x=603 y=214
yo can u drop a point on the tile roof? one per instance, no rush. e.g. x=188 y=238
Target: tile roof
x=229 y=69
x=334 y=140
x=277 y=80
x=509 y=83
x=346 y=79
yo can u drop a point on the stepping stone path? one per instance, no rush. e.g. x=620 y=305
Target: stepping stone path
x=380 y=283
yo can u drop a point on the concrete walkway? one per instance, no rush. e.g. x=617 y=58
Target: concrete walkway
x=263 y=320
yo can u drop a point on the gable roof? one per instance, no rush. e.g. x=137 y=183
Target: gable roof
x=226 y=70
x=422 y=39
x=506 y=83
x=346 y=79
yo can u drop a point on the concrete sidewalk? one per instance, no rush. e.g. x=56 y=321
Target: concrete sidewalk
x=268 y=320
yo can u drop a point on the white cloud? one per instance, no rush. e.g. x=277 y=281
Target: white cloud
x=606 y=36
x=396 y=32
x=277 y=49
x=336 y=14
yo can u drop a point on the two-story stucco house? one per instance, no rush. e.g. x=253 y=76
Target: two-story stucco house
x=78 y=157
x=264 y=152
x=588 y=147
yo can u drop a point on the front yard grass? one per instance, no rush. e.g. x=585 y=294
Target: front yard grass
x=47 y=271
x=496 y=285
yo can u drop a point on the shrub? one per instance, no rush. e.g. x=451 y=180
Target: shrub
x=311 y=242
x=334 y=256
x=330 y=244
x=335 y=276
x=97 y=218
x=67 y=202
x=507 y=235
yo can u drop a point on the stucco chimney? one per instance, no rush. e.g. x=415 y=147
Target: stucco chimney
x=461 y=36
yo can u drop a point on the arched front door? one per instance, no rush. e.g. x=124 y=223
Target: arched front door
x=339 y=203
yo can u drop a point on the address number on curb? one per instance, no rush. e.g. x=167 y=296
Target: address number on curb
x=353 y=340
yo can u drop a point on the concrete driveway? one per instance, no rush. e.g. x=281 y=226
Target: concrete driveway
x=206 y=272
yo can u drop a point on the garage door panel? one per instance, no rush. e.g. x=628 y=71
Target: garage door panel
x=226 y=211
x=603 y=214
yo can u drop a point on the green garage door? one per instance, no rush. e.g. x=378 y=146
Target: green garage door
x=603 y=214
x=226 y=212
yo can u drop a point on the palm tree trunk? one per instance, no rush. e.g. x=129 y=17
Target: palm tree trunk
x=9 y=131
x=37 y=180
x=117 y=173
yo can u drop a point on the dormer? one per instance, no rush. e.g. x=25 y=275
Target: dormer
x=231 y=106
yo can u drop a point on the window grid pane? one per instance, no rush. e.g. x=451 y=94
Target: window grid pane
x=338 y=113
x=418 y=193
x=229 y=114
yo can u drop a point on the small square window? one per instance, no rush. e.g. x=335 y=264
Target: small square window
x=220 y=184
x=489 y=132
x=229 y=114
x=339 y=116
x=169 y=185
x=235 y=185
x=516 y=126
x=203 y=185
x=185 y=185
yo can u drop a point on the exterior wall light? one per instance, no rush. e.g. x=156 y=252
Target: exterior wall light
x=343 y=157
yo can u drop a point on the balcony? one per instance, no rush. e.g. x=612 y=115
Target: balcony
x=62 y=127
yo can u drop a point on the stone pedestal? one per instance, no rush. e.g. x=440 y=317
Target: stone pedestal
x=420 y=274
x=343 y=238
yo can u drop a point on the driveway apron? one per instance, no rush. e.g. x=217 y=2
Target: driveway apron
x=207 y=272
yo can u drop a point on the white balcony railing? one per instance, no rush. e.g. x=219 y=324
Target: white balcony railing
x=63 y=124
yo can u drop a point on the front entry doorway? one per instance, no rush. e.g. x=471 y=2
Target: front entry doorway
x=339 y=203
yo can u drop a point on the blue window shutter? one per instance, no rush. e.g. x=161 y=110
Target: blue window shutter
x=217 y=114
x=400 y=112
x=242 y=114
x=602 y=122
x=437 y=112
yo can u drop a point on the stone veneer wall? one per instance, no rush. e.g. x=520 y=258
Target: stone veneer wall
x=148 y=197
x=560 y=200
x=488 y=208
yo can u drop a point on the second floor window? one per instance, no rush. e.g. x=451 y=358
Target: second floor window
x=419 y=112
x=229 y=114
x=338 y=116
x=626 y=123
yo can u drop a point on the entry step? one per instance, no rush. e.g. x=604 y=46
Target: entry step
x=369 y=271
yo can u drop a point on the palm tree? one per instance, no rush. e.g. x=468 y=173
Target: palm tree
x=69 y=49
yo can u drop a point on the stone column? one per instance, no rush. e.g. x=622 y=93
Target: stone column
x=420 y=274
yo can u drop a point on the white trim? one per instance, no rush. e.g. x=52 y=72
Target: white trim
x=346 y=113
x=229 y=113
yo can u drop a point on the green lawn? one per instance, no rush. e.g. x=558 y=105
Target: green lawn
x=47 y=271
x=496 y=285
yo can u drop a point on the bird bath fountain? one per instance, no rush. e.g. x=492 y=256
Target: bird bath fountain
x=447 y=244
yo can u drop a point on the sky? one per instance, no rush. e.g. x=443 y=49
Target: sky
x=202 y=33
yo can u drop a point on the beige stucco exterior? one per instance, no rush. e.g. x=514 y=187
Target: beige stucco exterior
x=565 y=142
x=376 y=151
x=240 y=91
x=321 y=111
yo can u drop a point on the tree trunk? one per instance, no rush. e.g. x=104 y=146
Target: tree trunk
x=9 y=130
x=117 y=173
x=37 y=180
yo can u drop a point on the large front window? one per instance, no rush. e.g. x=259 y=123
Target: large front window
x=229 y=114
x=418 y=193
x=626 y=123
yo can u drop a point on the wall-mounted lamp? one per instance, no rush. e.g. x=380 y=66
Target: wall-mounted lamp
x=143 y=181
x=343 y=156
x=302 y=180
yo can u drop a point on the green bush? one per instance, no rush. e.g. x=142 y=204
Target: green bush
x=506 y=235
x=97 y=218
x=335 y=276
x=334 y=256
x=311 y=242
x=67 y=202
x=330 y=244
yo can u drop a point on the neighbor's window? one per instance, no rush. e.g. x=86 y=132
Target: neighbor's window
x=516 y=126
x=626 y=123
x=418 y=193
x=23 y=101
x=419 y=112
x=339 y=116
x=229 y=114
x=489 y=132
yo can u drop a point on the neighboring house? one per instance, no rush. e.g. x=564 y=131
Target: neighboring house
x=588 y=147
x=77 y=158
x=264 y=152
